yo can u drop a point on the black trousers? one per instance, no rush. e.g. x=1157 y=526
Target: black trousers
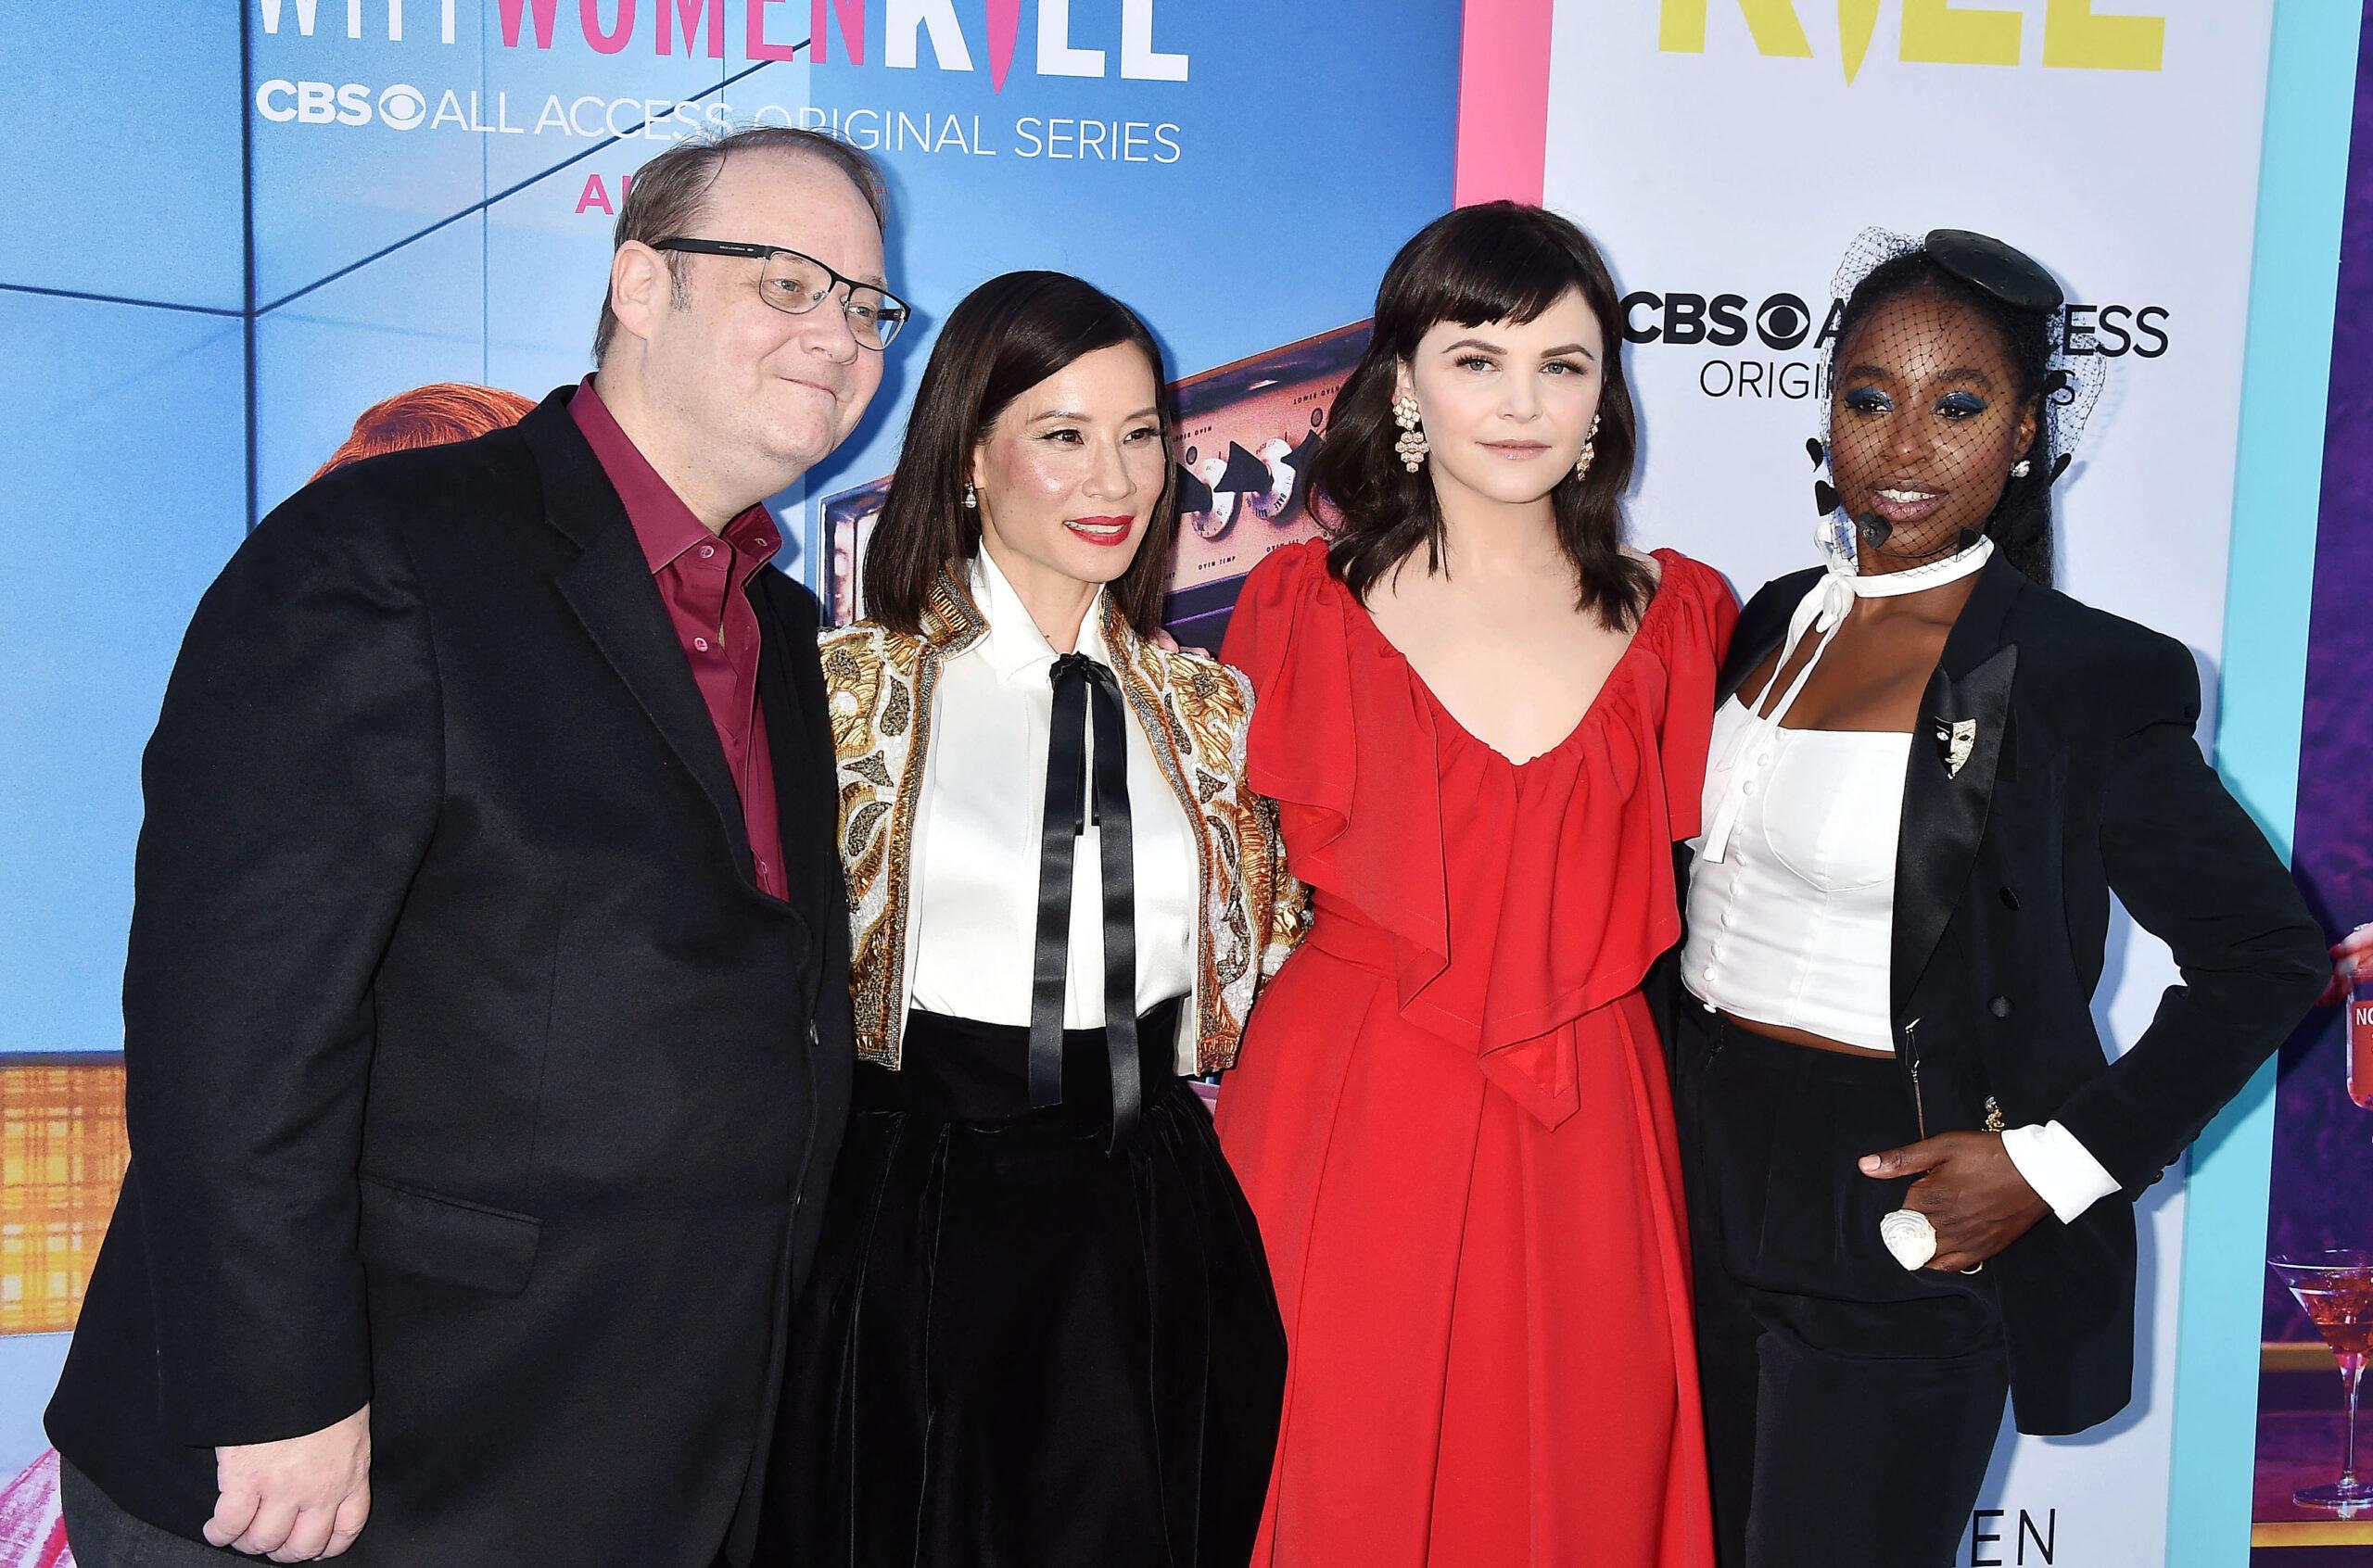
x=1850 y=1405
x=104 y=1536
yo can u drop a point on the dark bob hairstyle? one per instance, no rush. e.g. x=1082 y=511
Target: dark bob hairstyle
x=1500 y=262
x=1008 y=335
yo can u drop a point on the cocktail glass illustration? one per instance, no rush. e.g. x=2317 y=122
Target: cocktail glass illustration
x=2336 y=1288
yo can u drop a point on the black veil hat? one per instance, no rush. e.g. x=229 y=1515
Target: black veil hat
x=2025 y=293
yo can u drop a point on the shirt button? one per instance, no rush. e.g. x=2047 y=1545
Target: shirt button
x=708 y=550
x=701 y=643
x=1709 y=973
x=1748 y=787
x=1730 y=917
x=1720 y=952
x=1764 y=758
x=764 y=868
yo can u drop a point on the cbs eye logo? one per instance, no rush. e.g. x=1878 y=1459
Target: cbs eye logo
x=1783 y=321
x=398 y=106
x=402 y=108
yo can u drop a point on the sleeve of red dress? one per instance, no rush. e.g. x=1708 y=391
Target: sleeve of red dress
x=1336 y=734
x=1700 y=637
x=1299 y=748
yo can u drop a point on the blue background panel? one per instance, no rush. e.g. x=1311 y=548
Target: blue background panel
x=408 y=318
x=329 y=194
x=125 y=493
x=129 y=181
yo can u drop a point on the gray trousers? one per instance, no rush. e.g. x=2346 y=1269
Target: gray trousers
x=103 y=1536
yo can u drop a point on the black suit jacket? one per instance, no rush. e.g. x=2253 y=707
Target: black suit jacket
x=470 y=1072
x=2081 y=779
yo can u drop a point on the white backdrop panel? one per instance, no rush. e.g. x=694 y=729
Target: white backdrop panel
x=1738 y=158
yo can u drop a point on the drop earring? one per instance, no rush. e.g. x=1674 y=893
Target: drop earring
x=1590 y=451
x=971 y=499
x=2021 y=468
x=1412 y=445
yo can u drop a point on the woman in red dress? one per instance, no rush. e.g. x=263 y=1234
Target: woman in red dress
x=1485 y=722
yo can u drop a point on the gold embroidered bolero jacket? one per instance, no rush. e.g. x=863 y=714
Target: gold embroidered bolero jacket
x=881 y=686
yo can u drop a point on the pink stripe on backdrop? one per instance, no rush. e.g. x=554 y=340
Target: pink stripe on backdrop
x=1503 y=100
x=1005 y=22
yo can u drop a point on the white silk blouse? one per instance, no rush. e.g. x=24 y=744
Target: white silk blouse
x=976 y=838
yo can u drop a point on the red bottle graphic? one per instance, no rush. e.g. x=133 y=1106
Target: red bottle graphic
x=2352 y=987
x=2360 y=1033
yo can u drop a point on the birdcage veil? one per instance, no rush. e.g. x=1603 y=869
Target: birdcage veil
x=1946 y=340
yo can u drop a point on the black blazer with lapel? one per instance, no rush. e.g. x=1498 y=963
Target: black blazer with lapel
x=2080 y=777
x=470 y=1072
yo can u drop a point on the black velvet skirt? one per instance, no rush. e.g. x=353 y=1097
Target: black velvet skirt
x=1018 y=1349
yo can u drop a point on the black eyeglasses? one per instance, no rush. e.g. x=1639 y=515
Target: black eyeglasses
x=795 y=285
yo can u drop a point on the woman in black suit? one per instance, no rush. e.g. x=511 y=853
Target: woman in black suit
x=1910 y=1168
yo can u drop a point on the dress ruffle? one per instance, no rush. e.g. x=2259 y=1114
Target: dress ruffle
x=1564 y=893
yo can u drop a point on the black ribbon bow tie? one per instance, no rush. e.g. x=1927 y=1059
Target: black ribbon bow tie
x=1081 y=686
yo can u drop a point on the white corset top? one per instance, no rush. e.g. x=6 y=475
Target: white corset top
x=1792 y=903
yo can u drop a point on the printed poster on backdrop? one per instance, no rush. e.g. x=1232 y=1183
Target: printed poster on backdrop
x=366 y=199
x=2323 y=1117
x=1725 y=152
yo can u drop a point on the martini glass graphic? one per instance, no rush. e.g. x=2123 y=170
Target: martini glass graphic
x=2336 y=1288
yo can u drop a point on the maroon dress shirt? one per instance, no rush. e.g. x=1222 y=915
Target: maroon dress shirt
x=702 y=578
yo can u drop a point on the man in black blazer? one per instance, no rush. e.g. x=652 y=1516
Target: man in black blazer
x=486 y=1019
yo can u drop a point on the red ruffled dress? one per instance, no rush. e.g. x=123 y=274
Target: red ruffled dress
x=1450 y=1113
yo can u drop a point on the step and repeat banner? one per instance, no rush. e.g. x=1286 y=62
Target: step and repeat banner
x=263 y=235
x=254 y=221
x=1726 y=153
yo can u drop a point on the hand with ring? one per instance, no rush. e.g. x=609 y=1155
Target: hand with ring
x=1968 y=1193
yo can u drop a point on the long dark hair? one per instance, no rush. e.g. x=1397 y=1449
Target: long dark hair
x=2020 y=523
x=1500 y=261
x=1008 y=335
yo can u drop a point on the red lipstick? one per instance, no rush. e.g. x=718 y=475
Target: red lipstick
x=1102 y=530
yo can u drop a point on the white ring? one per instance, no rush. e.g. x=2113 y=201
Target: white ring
x=1910 y=1237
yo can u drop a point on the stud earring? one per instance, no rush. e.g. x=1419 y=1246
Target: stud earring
x=1411 y=445
x=971 y=499
x=1590 y=450
x=2021 y=468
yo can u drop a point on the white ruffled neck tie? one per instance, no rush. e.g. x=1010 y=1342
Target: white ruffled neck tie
x=1845 y=585
x=1833 y=599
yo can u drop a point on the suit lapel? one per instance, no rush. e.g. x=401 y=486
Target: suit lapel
x=610 y=588
x=1949 y=779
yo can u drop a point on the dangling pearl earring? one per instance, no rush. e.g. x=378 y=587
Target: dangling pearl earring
x=2021 y=468
x=1590 y=450
x=971 y=499
x=1412 y=445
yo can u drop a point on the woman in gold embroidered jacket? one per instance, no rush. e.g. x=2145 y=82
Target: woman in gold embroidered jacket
x=1041 y=1329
